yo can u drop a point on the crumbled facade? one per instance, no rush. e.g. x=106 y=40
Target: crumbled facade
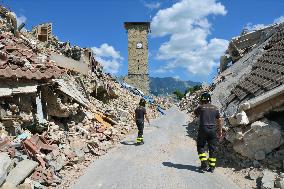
x=43 y=32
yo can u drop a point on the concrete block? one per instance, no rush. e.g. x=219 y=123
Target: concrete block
x=7 y=185
x=263 y=136
x=25 y=186
x=279 y=183
x=21 y=171
x=267 y=181
x=254 y=174
x=5 y=163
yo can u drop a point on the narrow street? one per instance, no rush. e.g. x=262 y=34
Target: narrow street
x=167 y=160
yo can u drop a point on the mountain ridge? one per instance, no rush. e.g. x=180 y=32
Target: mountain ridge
x=167 y=85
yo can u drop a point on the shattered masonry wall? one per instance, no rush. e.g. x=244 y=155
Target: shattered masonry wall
x=138 y=58
x=43 y=31
x=242 y=44
x=58 y=105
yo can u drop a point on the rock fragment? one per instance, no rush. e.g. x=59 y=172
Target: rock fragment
x=261 y=139
x=21 y=172
x=5 y=163
x=267 y=181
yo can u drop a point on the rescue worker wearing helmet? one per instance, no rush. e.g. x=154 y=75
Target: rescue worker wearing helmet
x=210 y=129
x=140 y=116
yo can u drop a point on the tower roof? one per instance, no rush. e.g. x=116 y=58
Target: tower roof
x=128 y=25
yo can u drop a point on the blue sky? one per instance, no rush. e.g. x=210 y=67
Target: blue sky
x=187 y=39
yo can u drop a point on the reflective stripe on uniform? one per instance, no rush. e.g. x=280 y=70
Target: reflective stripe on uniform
x=202 y=157
x=212 y=159
x=212 y=162
x=139 y=139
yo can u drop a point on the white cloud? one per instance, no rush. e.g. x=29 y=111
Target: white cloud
x=108 y=57
x=153 y=5
x=279 y=20
x=20 y=19
x=187 y=25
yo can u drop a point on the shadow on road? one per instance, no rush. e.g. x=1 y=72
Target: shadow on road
x=181 y=166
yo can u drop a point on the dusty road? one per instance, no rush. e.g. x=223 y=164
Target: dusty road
x=167 y=160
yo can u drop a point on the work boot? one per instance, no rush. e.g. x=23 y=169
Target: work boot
x=211 y=169
x=203 y=166
x=140 y=142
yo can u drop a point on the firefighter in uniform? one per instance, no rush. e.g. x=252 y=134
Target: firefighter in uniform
x=210 y=129
x=140 y=116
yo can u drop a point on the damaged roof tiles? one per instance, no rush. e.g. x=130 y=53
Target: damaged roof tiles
x=19 y=60
x=267 y=73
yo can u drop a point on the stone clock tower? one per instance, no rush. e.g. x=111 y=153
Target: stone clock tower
x=138 y=55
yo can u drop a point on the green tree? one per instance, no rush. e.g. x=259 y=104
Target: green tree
x=193 y=89
x=179 y=94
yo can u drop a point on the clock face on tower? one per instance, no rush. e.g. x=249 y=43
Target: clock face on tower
x=139 y=45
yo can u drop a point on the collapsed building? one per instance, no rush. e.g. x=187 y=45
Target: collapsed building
x=58 y=108
x=244 y=43
x=250 y=95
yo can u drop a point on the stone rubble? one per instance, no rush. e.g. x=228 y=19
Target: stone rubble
x=5 y=163
x=268 y=179
x=57 y=117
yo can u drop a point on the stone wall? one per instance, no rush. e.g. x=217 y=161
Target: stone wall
x=138 y=57
x=141 y=82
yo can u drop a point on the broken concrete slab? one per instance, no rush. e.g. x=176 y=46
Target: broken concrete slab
x=70 y=64
x=70 y=89
x=267 y=181
x=21 y=171
x=80 y=155
x=25 y=186
x=17 y=89
x=58 y=164
x=8 y=186
x=5 y=163
x=254 y=174
x=257 y=107
x=279 y=183
x=263 y=136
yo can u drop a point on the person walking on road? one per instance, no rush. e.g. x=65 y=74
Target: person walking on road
x=210 y=129
x=140 y=116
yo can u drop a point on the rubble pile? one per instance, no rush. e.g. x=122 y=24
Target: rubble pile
x=58 y=110
x=249 y=91
x=191 y=100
